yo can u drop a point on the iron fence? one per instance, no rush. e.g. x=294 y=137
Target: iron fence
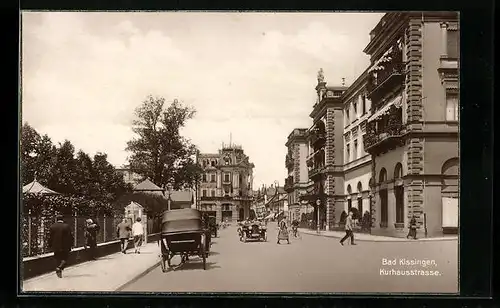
x=35 y=232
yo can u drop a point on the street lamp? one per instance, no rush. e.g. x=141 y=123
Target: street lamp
x=318 y=203
x=276 y=185
x=169 y=190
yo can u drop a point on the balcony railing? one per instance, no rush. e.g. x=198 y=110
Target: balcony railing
x=314 y=171
x=289 y=184
x=317 y=138
x=391 y=75
x=389 y=136
x=289 y=161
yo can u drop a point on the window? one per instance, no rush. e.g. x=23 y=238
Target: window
x=204 y=193
x=204 y=177
x=213 y=163
x=347 y=115
x=452 y=45
x=212 y=178
x=212 y=193
x=227 y=177
x=355 y=106
x=355 y=152
x=451 y=107
x=348 y=153
x=363 y=103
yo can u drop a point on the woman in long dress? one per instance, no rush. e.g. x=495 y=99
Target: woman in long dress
x=283 y=231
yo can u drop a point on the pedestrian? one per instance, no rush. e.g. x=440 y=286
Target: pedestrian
x=137 y=233
x=412 y=232
x=348 y=229
x=123 y=233
x=91 y=231
x=283 y=231
x=61 y=241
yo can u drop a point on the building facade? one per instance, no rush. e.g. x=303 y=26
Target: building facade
x=298 y=180
x=357 y=162
x=412 y=132
x=225 y=190
x=326 y=159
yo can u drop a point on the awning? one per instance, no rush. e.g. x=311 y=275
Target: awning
x=396 y=102
x=385 y=57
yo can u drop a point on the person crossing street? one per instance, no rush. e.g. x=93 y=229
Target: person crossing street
x=348 y=230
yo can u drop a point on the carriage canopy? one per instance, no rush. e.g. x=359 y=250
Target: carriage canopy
x=182 y=220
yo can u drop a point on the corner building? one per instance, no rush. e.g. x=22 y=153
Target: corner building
x=412 y=132
x=225 y=190
x=298 y=180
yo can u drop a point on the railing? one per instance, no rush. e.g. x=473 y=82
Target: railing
x=317 y=137
x=373 y=138
x=36 y=229
x=384 y=76
x=316 y=170
x=289 y=161
x=288 y=183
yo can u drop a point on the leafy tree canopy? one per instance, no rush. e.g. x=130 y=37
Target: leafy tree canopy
x=159 y=152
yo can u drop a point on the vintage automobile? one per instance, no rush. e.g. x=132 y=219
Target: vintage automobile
x=253 y=231
x=212 y=223
x=183 y=234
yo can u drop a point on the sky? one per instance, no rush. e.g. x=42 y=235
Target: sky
x=250 y=76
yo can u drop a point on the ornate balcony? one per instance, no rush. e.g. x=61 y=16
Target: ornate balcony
x=317 y=138
x=387 y=138
x=289 y=184
x=289 y=161
x=390 y=75
x=316 y=170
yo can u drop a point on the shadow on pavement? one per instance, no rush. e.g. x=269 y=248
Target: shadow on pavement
x=195 y=264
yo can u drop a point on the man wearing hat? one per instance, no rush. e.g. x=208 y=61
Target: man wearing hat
x=61 y=241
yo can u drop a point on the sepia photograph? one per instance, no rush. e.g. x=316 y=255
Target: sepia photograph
x=239 y=152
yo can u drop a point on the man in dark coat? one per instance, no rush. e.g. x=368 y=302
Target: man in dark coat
x=123 y=233
x=61 y=241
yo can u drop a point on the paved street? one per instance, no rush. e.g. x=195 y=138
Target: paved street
x=310 y=264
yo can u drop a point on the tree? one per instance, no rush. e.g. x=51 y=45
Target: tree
x=37 y=156
x=108 y=184
x=159 y=152
x=63 y=179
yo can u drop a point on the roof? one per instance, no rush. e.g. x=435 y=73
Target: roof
x=36 y=188
x=147 y=185
x=181 y=196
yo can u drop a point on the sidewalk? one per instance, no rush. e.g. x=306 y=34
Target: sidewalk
x=375 y=238
x=106 y=274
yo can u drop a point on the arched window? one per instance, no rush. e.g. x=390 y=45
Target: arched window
x=371 y=183
x=382 y=176
x=360 y=187
x=450 y=167
x=349 y=190
x=398 y=171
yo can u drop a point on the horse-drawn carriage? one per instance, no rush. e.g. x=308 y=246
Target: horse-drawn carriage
x=183 y=234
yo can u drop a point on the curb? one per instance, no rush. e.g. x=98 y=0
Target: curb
x=137 y=277
x=387 y=240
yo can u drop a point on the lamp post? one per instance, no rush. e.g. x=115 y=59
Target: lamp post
x=318 y=203
x=276 y=185
x=169 y=190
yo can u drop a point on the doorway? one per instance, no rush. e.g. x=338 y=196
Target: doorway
x=360 y=207
x=241 y=214
x=384 y=213
x=399 y=194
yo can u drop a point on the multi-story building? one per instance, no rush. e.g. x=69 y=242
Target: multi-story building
x=357 y=162
x=412 y=132
x=226 y=185
x=325 y=162
x=298 y=180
